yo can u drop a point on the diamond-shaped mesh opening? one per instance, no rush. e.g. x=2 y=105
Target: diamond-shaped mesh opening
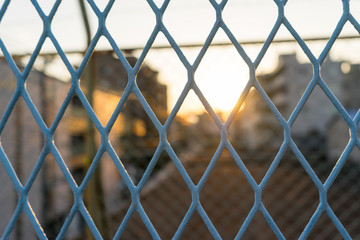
x=135 y=138
x=313 y=136
x=233 y=200
x=256 y=134
x=222 y=78
x=166 y=199
x=68 y=26
x=51 y=197
x=103 y=82
x=345 y=192
x=325 y=229
x=284 y=73
x=194 y=137
x=259 y=229
x=72 y=138
x=22 y=154
x=157 y=81
x=290 y=192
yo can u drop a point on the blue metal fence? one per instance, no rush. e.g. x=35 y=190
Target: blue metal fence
x=23 y=204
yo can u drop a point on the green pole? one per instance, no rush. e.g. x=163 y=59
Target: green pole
x=94 y=195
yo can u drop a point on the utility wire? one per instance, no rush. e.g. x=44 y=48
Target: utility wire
x=197 y=45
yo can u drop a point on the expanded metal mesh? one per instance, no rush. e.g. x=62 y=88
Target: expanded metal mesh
x=260 y=205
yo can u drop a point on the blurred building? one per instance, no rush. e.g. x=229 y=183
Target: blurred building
x=290 y=195
x=22 y=140
x=318 y=125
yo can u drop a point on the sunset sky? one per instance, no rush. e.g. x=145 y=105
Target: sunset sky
x=222 y=73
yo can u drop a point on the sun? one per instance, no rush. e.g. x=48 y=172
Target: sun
x=223 y=91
